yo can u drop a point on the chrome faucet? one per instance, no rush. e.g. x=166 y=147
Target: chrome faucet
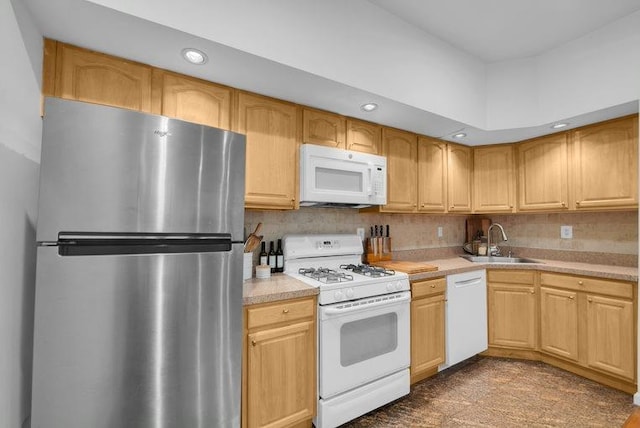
x=494 y=250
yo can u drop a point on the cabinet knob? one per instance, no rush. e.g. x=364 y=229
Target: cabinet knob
x=451 y=207
x=577 y=202
x=293 y=199
x=285 y=311
x=571 y=297
x=533 y=291
x=253 y=343
x=415 y=205
x=433 y=286
x=422 y=205
x=589 y=300
x=563 y=203
x=580 y=283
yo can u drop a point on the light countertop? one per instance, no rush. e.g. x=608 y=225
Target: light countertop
x=282 y=287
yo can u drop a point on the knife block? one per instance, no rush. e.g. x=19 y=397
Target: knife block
x=378 y=249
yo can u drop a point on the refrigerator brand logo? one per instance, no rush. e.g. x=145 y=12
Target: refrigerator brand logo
x=162 y=133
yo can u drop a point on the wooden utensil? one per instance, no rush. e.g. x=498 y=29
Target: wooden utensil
x=253 y=240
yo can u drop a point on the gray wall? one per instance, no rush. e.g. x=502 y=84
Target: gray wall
x=20 y=135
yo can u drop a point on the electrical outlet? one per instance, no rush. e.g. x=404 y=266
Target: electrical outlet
x=439 y=231
x=360 y=233
x=566 y=232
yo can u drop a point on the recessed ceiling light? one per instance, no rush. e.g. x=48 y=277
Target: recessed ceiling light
x=369 y=106
x=459 y=135
x=559 y=125
x=194 y=56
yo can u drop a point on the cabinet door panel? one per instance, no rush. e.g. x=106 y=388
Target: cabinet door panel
x=88 y=76
x=323 y=128
x=281 y=371
x=193 y=100
x=272 y=151
x=364 y=136
x=427 y=333
x=512 y=316
x=559 y=322
x=459 y=178
x=611 y=335
x=542 y=169
x=606 y=164
x=493 y=179
x=400 y=148
x=432 y=175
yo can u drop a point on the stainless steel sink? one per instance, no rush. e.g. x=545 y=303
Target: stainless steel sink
x=498 y=259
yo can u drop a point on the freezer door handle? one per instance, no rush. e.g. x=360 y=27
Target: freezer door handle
x=87 y=244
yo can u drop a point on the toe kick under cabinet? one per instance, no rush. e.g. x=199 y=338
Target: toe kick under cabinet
x=589 y=321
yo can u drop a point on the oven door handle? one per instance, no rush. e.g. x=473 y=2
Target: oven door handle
x=369 y=303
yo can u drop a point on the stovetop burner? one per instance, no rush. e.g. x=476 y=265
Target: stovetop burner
x=368 y=270
x=326 y=275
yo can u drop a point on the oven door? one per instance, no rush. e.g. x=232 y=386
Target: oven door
x=362 y=341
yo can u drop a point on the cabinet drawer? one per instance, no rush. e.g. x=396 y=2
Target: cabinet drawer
x=511 y=276
x=428 y=287
x=588 y=284
x=279 y=312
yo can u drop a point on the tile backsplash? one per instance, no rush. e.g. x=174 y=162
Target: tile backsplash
x=597 y=232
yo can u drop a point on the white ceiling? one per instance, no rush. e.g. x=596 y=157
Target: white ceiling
x=498 y=30
x=485 y=34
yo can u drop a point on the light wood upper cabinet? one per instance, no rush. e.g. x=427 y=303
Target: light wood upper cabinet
x=542 y=174
x=512 y=309
x=494 y=180
x=364 y=136
x=605 y=164
x=459 y=172
x=427 y=327
x=432 y=175
x=323 y=128
x=93 y=77
x=191 y=99
x=271 y=128
x=279 y=387
x=559 y=322
x=401 y=150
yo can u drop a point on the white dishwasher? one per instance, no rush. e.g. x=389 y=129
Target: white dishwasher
x=465 y=316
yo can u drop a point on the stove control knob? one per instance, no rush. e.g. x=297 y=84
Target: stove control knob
x=398 y=286
x=390 y=286
x=338 y=295
x=349 y=293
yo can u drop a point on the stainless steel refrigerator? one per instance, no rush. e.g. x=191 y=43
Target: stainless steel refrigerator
x=138 y=318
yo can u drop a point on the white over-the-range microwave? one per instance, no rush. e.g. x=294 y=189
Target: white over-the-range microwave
x=332 y=177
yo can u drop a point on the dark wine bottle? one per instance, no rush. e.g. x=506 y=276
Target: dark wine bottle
x=272 y=257
x=279 y=257
x=264 y=258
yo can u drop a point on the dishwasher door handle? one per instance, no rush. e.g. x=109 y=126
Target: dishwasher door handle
x=467 y=282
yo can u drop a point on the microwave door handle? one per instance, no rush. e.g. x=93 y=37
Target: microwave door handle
x=369 y=184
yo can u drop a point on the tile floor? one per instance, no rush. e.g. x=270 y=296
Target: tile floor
x=496 y=392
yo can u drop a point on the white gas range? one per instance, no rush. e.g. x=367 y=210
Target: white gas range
x=363 y=325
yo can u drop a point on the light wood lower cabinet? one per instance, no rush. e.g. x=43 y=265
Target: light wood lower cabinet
x=559 y=322
x=590 y=321
x=279 y=369
x=610 y=339
x=512 y=309
x=427 y=327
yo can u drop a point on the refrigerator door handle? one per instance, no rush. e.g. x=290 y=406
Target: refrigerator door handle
x=96 y=244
